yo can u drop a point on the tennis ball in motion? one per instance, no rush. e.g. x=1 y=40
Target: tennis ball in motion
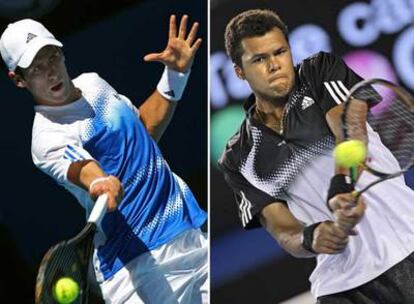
x=66 y=290
x=350 y=153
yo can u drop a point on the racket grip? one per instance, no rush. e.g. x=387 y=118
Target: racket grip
x=99 y=209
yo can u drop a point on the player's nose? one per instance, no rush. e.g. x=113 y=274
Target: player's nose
x=52 y=73
x=273 y=64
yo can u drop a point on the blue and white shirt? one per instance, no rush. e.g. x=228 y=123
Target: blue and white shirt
x=105 y=126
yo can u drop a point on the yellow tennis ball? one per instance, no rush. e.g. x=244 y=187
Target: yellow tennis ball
x=66 y=290
x=350 y=153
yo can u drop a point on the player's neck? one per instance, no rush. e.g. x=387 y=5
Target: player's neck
x=270 y=113
x=271 y=108
x=75 y=95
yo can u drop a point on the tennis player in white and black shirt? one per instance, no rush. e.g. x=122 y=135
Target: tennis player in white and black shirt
x=280 y=167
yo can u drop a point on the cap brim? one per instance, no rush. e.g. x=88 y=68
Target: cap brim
x=34 y=47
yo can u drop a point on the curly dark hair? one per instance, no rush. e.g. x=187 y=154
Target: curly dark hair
x=251 y=23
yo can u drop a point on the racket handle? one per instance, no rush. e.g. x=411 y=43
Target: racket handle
x=99 y=209
x=354 y=173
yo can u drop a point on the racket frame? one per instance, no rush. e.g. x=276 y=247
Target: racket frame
x=408 y=101
x=85 y=236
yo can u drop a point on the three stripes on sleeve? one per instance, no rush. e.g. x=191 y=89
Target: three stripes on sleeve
x=337 y=90
x=74 y=154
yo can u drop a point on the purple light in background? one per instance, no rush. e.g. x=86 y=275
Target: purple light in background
x=370 y=64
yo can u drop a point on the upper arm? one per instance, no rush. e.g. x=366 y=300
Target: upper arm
x=334 y=119
x=53 y=152
x=249 y=199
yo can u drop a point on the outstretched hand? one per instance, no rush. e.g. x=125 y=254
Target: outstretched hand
x=181 y=48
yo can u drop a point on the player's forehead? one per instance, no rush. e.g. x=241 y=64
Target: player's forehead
x=269 y=42
x=44 y=53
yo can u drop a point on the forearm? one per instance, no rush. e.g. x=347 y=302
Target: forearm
x=156 y=113
x=357 y=131
x=285 y=229
x=321 y=237
x=292 y=242
x=83 y=173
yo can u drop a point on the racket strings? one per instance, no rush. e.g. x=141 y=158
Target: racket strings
x=395 y=125
x=390 y=117
x=62 y=262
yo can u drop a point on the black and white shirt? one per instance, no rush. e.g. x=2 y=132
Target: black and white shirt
x=260 y=164
x=264 y=167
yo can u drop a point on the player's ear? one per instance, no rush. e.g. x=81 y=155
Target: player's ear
x=17 y=79
x=239 y=72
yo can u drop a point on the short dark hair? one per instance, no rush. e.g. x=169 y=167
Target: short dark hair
x=251 y=23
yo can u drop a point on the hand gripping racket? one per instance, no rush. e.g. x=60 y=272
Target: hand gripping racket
x=70 y=258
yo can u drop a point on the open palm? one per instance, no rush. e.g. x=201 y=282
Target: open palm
x=181 y=49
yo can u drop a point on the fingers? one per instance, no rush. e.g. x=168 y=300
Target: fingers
x=330 y=247
x=173 y=27
x=182 y=31
x=348 y=218
x=181 y=49
x=330 y=239
x=337 y=232
x=183 y=27
x=193 y=33
x=196 y=45
x=342 y=201
x=112 y=187
x=361 y=206
x=153 y=57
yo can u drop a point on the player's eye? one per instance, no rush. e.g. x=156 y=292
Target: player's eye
x=35 y=70
x=258 y=59
x=280 y=52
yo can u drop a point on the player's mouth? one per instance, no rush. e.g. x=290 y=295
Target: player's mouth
x=277 y=78
x=57 y=87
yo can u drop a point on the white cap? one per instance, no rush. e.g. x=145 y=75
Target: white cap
x=21 y=41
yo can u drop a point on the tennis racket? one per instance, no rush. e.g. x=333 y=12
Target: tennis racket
x=391 y=116
x=70 y=258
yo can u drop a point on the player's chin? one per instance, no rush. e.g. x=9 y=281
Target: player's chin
x=281 y=90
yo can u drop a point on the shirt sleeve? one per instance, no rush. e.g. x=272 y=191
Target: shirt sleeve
x=129 y=103
x=53 y=152
x=330 y=78
x=250 y=200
